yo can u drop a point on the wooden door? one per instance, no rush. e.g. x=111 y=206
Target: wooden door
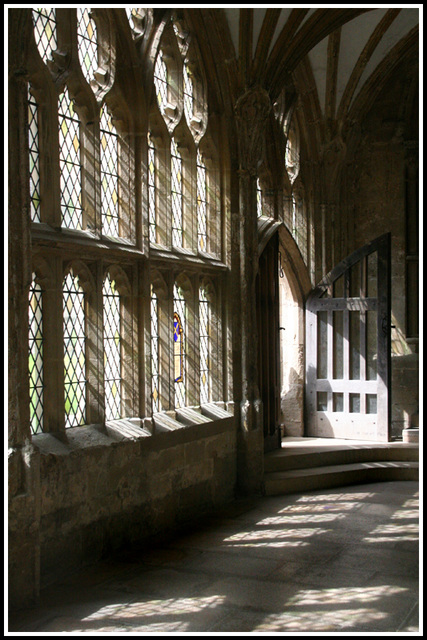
x=348 y=348
x=267 y=291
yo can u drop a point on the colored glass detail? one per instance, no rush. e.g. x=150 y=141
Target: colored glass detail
x=74 y=352
x=179 y=348
x=87 y=43
x=44 y=21
x=35 y=357
x=204 y=338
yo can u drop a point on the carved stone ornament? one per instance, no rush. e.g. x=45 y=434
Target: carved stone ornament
x=252 y=110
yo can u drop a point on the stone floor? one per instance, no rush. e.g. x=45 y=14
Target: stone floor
x=338 y=561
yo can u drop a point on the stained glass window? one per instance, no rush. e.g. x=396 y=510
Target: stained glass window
x=44 y=21
x=109 y=174
x=152 y=190
x=179 y=346
x=69 y=163
x=176 y=193
x=33 y=146
x=258 y=199
x=188 y=95
x=204 y=337
x=155 y=391
x=201 y=203
x=87 y=43
x=74 y=351
x=112 y=349
x=35 y=357
x=161 y=81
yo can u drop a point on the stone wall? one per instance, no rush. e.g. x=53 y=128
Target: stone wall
x=105 y=490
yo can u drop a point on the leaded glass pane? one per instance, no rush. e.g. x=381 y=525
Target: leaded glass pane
x=152 y=190
x=204 y=331
x=201 y=203
x=161 y=81
x=258 y=199
x=33 y=147
x=155 y=390
x=87 y=43
x=176 y=193
x=179 y=347
x=69 y=163
x=109 y=174
x=44 y=21
x=112 y=350
x=74 y=352
x=188 y=95
x=35 y=357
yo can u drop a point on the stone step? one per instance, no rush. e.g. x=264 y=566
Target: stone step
x=324 y=477
x=287 y=459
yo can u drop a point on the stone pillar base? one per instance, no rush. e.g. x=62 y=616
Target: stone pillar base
x=411 y=435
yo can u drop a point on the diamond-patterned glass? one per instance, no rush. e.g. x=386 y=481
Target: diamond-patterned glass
x=258 y=199
x=109 y=175
x=87 y=43
x=179 y=346
x=44 y=21
x=201 y=203
x=69 y=163
x=188 y=95
x=204 y=330
x=155 y=391
x=176 y=193
x=161 y=81
x=35 y=356
x=33 y=147
x=74 y=352
x=112 y=350
x=152 y=190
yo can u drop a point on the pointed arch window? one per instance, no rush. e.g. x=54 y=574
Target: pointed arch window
x=74 y=351
x=152 y=214
x=112 y=349
x=109 y=175
x=87 y=43
x=34 y=156
x=35 y=356
x=202 y=205
x=69 y=163
x=188 y=94
x=179 y=337
x=44 y=21
x=155 y=380
x=205 y=346
x=161 y=81
x=177 y=195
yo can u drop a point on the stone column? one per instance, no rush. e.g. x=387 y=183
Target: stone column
x=252 y=111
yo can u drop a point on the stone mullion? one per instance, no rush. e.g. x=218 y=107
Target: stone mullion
x=95 y=396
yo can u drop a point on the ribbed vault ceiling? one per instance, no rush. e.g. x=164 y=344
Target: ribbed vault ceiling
x=344 y=47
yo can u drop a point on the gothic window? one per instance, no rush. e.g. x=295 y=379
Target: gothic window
x=204 y=339
x=33 y=145
x=69 y=163
x=35 y=358
x=44 y=21
x=109 y=177
x=152 y=219
x=258 y=199
x=179 y=337
x=177 y=195
x=155 y=380
x=74 y=351
x=161 y=81
x=87 y=43
x=201 y=203
x=188 y=94
x=112 y=349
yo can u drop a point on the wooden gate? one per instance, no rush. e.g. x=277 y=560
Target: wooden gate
x=348 y=348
